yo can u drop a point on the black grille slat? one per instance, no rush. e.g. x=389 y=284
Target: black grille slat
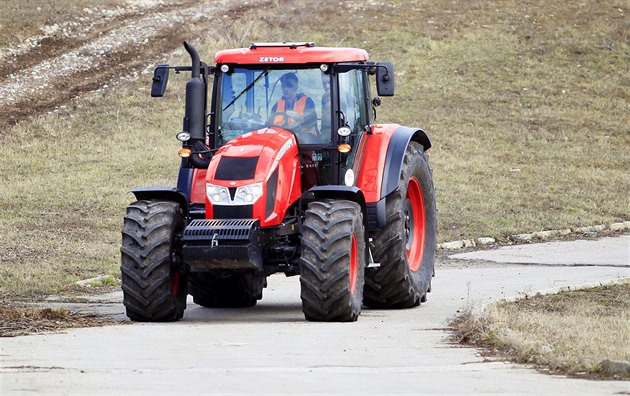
x=219 y=229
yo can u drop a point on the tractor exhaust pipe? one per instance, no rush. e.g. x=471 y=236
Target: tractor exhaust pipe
x=195 y=113
x=194 y=57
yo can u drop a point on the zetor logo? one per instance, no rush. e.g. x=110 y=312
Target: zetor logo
x=267 y=59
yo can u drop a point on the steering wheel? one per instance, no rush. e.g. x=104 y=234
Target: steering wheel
x=246 y=121
x=297 y=118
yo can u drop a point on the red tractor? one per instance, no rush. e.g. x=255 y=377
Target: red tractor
x=286 y=173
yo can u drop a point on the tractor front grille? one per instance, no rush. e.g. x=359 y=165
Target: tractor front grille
x=232 y=212
x=219 y=229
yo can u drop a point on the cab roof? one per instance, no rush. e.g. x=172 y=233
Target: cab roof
x=290 y=53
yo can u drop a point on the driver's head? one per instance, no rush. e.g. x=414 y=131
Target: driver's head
x=289 y=83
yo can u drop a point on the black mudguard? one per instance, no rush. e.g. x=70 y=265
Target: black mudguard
x=162 y=194
x=396 y=153
x=350 y=193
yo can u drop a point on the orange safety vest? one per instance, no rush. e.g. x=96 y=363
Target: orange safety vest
x=300 y=106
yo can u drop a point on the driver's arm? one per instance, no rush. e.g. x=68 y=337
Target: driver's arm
x=310 y=114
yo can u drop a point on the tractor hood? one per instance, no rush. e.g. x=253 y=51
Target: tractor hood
x=251 y=157
x=265 y=160
x=251 y=144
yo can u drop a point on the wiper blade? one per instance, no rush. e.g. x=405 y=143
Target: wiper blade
x=247 y=88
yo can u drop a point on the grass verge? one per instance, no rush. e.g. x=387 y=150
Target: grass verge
x=569 y=333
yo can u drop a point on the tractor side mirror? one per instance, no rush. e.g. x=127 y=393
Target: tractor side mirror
x=385 y=79
x=160 y=79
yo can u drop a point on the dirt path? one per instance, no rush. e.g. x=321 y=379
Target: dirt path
x=96 y=49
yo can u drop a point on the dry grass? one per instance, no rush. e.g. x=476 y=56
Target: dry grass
x=570 y=332
x=526 y=103
x=21 y=320
x=62 y=217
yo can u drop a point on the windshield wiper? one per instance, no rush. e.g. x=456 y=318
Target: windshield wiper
x=261 y=75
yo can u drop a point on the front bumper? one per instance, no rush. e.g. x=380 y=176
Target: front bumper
x=232 y=244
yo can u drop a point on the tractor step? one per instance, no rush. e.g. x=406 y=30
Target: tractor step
x=222 y=244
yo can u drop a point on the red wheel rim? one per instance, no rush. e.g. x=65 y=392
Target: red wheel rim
x=414 y=224
x=175 y=282
x=353 y=264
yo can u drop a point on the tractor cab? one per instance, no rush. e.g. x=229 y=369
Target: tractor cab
x=298 y=88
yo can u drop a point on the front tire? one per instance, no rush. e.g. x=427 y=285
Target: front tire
x=332 y=261
x=154 y=281
x=405 y=248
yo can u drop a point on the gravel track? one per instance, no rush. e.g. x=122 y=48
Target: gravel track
x=98 y=48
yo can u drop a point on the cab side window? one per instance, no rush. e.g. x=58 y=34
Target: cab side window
x=351 y=90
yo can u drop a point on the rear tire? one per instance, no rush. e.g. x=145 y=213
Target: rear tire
x=153 y=280
x=232 y=291
x=333 y=261
x=406 y=247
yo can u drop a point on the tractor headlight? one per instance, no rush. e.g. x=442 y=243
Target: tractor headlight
x=218 y=195
x=183 y=136
x=247 y=195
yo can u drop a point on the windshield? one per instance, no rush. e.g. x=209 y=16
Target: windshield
x=292 y=99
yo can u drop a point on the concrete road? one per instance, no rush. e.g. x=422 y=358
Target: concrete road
x=271 y=349
x=605 y=251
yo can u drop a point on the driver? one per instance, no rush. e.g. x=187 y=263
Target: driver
x=295 y=107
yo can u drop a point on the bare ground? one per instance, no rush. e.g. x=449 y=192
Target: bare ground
x=93 y=50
